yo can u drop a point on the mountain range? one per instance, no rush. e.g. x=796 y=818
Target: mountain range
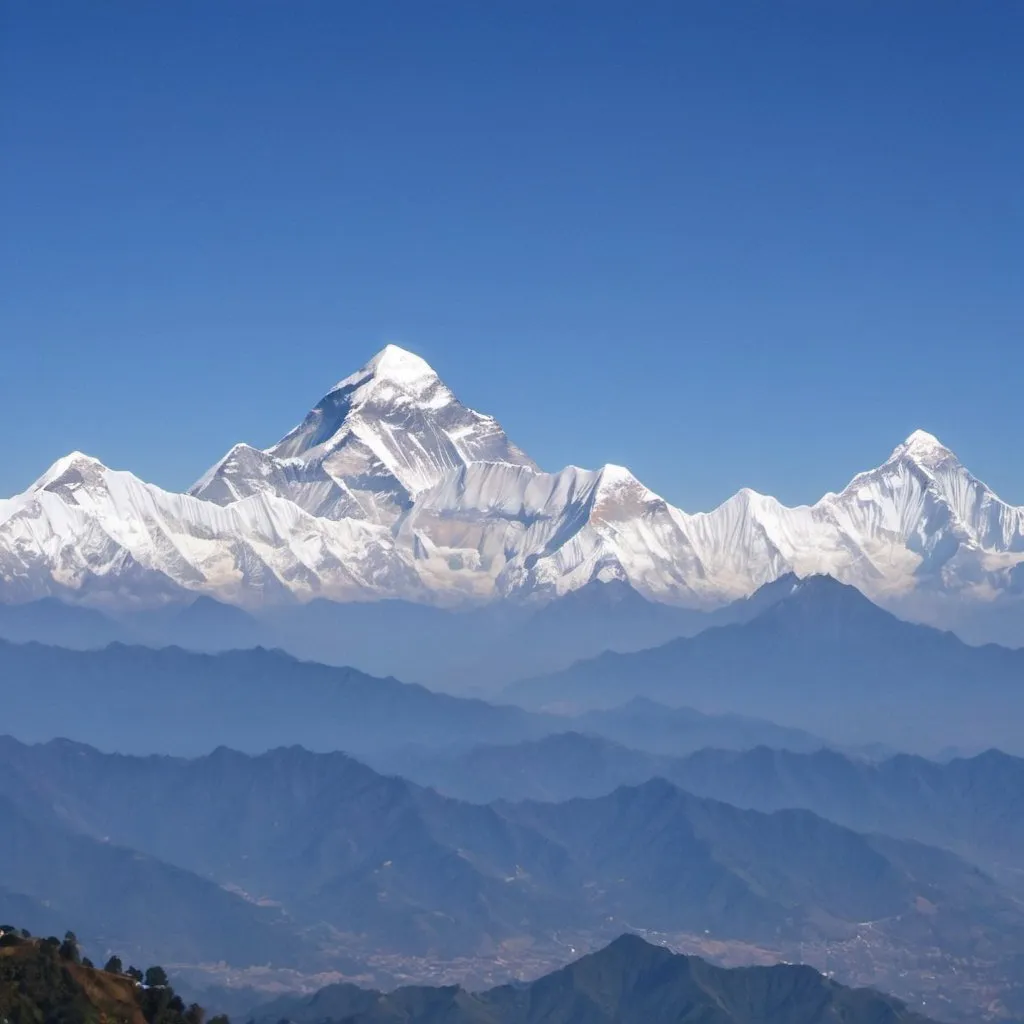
x=392 y=488
x=293 y=857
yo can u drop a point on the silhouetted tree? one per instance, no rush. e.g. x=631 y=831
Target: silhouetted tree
x=156 y=977
x=134 y=973
x=69 y=948
x=86 y=962
x=195 y=1014
x=114 y=965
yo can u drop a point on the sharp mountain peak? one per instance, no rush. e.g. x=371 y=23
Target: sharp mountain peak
x=393 y=364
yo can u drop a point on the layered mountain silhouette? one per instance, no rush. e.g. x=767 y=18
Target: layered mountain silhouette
x=325 y=842
x=469 y=649
x=826 y=659
x=630 y=981
x=139 y=700
x=972 y=806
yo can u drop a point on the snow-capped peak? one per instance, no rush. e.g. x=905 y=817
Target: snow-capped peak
x=922 y=439
x=77 y=463
x=379 y=437
x=394 y=365
x=923 y=449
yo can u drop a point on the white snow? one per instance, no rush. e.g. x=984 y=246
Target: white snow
x=390 y=487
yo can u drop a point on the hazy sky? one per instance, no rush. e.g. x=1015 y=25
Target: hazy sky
x=722 y=243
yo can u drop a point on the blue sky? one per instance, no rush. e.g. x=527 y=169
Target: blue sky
x=722 y=243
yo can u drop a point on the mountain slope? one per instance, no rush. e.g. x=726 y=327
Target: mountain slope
x=628 y=982
x=823 y=659
x=972 y=806
x=121 y=899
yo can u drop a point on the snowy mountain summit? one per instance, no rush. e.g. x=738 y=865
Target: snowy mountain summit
x=369 y=446
x=390 y=487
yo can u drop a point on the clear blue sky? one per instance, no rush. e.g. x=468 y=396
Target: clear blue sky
x=722 y=243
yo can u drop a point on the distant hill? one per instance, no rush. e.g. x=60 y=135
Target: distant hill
x=587 y=759
x=135 y=699
x=140 y=700
x=973 y=806
x=648 y=725
x=476 y=650
x=824 y=659
x=627 y=982
x=455 y=649
x=51 y=621
x=601 y=616
x=204 y=625
x=201 y=625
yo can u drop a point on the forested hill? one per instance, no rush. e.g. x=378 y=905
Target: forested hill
x=47 y=981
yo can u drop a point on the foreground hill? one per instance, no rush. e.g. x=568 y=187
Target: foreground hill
x=627 y=982
x=824 y=659
x=348 y=865
x=46 y=980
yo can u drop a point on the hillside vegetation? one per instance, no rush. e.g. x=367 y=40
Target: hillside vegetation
x=46 y=981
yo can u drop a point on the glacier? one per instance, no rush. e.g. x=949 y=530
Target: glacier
x=390 y=487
